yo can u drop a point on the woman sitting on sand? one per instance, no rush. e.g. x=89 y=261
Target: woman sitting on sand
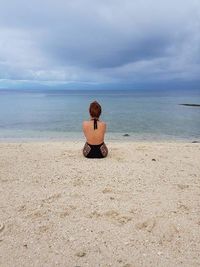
x=94 y=131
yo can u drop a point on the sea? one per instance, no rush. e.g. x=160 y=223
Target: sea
x=138 y=115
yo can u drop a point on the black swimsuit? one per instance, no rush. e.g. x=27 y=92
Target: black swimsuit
x=95 y=151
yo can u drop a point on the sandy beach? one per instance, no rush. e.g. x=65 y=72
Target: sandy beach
x=138 y=207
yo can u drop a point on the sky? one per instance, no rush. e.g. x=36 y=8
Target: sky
x=98 y=43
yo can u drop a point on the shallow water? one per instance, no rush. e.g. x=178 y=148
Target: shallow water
x=58 y=114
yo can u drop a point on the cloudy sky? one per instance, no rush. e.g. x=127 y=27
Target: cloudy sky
x=99 y=42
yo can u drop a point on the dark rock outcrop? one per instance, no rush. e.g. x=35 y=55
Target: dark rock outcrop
x=191 y=105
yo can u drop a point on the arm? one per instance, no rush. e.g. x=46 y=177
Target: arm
x=105 y=127
x=83 y=128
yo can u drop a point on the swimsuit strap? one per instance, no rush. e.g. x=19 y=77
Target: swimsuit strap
x=95 y=122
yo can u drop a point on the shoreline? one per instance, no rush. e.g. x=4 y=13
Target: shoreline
x=30 y=136
x=123 y=139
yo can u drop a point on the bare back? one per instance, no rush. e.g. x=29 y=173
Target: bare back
x=94 y=137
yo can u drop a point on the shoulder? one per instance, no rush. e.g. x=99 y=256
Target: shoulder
x=85 y=123
x=103 y=123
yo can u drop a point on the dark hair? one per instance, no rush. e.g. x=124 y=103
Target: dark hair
x=95 y=109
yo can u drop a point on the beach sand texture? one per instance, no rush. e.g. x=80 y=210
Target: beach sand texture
x=138 y=207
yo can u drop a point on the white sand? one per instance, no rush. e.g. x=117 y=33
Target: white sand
x=58 y=208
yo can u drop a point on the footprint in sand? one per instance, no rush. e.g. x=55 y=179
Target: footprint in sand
x=64 y=214
x=78 y=182
x=22 y=208
x=124 y=219
x=170 y=232
x=80 y=253
x=106 y=190
x=113 y=215
x=66 y=211
x=95 y=214
x=52 y=198
x=183 y=186
x=36 y=214
x=2 y=226
x=148 y=225
x=119 y=159
x=43 y=229
x=183 y=208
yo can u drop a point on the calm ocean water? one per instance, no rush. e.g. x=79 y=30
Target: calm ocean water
x=58 y=114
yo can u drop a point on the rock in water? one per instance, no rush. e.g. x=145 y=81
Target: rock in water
x=190 y=105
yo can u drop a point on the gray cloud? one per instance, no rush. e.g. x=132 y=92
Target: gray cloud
x=100 y=41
